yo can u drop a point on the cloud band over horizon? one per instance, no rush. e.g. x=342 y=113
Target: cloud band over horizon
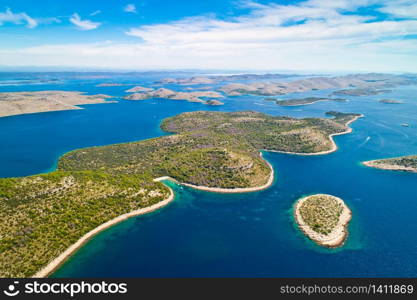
x=337 y=35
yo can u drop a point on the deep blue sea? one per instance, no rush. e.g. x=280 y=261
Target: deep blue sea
x=244 y=235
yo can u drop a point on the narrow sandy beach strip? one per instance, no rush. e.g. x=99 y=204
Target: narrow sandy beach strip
x=57 y=262
x=334 y=146
x=226 y=190
x=334 y=239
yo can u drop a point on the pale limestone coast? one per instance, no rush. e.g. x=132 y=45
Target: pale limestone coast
x=17 y=103
x=390 y=101
x=214 y=102
x=324 y=219
x=360 y=92
x=212 y=79
x=111 y=84
x=366 y=83
x=304 y=101
x=226 y=190
x=403 y=163
x=164 y=93
x=60 y=259
x=188 y=81
x=333 y=146
x=214 y=151
x=139 y=89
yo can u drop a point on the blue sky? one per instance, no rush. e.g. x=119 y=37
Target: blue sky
x=316 y=35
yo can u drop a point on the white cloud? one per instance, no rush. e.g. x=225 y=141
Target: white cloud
x=83 y=24
x=328 y=55
x=401 y=8
x=313 y=20
x=131 y=8
x=312 y=35
x=17 y=18
x=94 y=13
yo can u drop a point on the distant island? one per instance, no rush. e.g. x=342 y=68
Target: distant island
x=139 y=89
x=214 y=102
x=351 y=85
x=142 y=93
x=403 y=163
x=360 y=92
x=212 y=79
x=389 y=101
x=17 y=103
x=108 y=84
x=46 y=217
x=323 y=219
x=303 y=101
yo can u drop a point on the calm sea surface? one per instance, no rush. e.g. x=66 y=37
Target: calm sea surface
x=209 y=234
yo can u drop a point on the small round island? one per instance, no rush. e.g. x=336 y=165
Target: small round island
x=323 y=219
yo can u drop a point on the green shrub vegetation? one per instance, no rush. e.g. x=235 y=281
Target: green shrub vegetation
x=304 y=101
x=409 y=162
x=321 y=213
x=44 y=214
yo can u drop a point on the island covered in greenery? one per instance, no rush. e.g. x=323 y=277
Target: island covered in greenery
x=323 y=219
x=389 y=101
x=303 y=101
x=403 y=163
x=45 y=214
x=365 y=91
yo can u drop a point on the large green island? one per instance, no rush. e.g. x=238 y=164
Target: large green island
x=403 y=163
x=47 y=217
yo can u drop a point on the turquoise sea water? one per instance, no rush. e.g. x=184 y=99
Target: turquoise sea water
x=253 y=234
